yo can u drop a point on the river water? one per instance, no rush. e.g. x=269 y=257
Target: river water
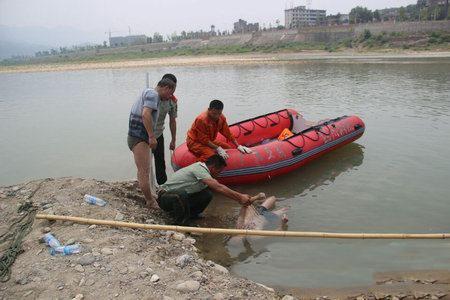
x=393 y=179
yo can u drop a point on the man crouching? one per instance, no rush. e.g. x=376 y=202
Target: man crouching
x=187 y=192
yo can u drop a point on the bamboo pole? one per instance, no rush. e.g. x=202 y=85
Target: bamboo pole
x=247 y=232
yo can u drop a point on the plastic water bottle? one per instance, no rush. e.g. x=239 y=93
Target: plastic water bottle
x=51 y=241
x=66 y=250
x=94 y=200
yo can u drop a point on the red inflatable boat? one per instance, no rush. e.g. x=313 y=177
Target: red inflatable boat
x=271 y=156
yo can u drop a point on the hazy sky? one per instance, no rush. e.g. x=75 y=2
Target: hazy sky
x=164 y=16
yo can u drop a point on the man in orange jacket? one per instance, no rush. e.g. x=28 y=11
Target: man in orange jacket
x=202 y=137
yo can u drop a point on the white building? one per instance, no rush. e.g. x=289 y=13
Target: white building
x=300 y=17
x=344 y=19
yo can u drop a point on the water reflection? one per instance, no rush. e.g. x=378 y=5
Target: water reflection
x=322 y=171
x=288 y=188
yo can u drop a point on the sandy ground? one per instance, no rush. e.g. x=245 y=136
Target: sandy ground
x=248 y=59
x=135 y=264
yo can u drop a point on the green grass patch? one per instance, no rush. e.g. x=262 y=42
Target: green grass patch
x=145 y=53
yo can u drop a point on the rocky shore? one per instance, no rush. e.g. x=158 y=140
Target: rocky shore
x=119 y=263
x=114 y=263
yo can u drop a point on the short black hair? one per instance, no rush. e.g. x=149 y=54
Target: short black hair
x=166 y=82
x=170 y=76
x=216 y=104
x=216 y=161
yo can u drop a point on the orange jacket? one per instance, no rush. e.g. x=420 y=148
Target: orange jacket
x=204 y=130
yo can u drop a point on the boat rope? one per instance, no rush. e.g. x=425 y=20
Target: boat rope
x=308 y=137
x=16 y=232
x=246 y=232
x=298 y=149
x=296 y=146
x=247 y=131
x=279 y=114
x=15 y=235
x=265 y=126
x=273 y=122
x=316 y=129
x=324 y=126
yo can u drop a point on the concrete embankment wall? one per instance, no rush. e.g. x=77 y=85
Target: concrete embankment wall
x=407 y=27
x=326 y=34
x=338 y=33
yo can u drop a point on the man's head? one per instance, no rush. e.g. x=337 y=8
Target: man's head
x=215 y=165
x=165 y=88
x=170 y=76
x=215 y=110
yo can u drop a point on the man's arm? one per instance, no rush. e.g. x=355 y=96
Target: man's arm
x=225 y=131
x=213 y=184
x=173 y=131
x=212 y=145
x=147 y=119
x=235 y=143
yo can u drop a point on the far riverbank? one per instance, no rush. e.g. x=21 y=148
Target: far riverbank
x=346 y=56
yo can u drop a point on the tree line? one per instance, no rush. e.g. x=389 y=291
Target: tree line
x=423 y=10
